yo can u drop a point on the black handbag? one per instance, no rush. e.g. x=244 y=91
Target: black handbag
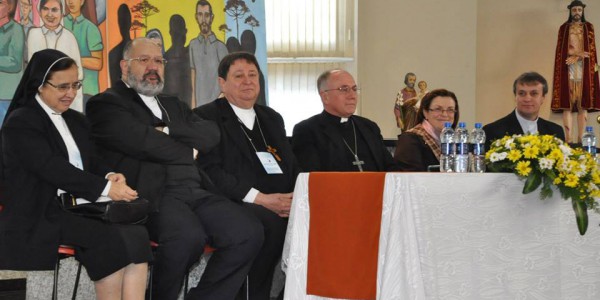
x=118 y=212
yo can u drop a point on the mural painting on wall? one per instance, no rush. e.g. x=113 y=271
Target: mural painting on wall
x=194 y=35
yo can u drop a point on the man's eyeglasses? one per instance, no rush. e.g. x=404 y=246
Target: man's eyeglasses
x=63 y=88
x=345 y=89
x=439 y=111
x=145 y=60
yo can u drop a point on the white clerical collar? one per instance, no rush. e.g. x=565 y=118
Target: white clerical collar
x=150 y=102
x=56 y=31
x=245 y=115
x=343 y=120
x=45 y=106
x=528 y=126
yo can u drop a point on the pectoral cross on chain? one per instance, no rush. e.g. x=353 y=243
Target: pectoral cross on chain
x=273 y=151
x=358 y=163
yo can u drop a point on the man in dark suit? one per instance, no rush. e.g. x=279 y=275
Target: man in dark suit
x=155 y=140
x=530 y=91
x=253 y=163
x=337 y=140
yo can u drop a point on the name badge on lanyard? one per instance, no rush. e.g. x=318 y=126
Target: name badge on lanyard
x=269 y=163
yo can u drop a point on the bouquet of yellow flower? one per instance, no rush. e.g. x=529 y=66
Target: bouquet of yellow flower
x=546 y=161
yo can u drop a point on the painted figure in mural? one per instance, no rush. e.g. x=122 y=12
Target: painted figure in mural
x=116 y=54
x=155 y=35
x=206 y=51
x=406 y=99
x=233 y=45
x=248 y=44
x=576 y=87
x=12 y=41
x=54 y=36
x=90 y=45
x=177 y=71
x=25 y=15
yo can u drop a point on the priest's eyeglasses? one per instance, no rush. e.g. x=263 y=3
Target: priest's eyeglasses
x=439 y=111
x=345 y=89
x=65 y=87
x=145 y=60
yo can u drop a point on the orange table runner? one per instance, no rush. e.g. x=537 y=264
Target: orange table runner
x=343 y=239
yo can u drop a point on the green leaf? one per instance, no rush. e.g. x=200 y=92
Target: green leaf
x=532 y=183
x=546 y=191
x=580 y=209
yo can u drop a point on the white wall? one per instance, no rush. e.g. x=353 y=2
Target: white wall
x=434 y=39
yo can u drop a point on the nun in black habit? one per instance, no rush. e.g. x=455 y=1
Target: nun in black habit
x=46 y=151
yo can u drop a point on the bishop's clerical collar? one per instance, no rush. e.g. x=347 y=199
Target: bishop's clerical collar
x=245 y=115
x=335 y=119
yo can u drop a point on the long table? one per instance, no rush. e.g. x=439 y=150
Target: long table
x=464 y=236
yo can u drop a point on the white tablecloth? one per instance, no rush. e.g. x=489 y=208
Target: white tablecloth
x=465 y=236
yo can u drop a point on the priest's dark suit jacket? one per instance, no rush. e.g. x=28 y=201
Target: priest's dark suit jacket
x=36 y=164
x=318 y=146
x=232 y=164
x=509 y=125
x=139 y=151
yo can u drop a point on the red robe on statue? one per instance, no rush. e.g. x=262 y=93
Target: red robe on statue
x=590 y=100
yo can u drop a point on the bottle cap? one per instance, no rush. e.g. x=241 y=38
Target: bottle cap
x=447 y=124
x=477 y=125
x=462 y=125
x=589 y=129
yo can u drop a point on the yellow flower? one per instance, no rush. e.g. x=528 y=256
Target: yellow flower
x=531 y=152
x=572 y=180
x=523 y=168
x=514 y=155
x=547 y=139
x=596 y=177
x=555 y=154
x=526 y=139
x=557 y=181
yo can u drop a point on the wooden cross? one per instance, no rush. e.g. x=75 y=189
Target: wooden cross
x=273 y=151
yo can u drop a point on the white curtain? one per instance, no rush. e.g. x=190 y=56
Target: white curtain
x=305 y=38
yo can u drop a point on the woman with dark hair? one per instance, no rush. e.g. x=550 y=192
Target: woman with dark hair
x=47 y=152
x=419 y=147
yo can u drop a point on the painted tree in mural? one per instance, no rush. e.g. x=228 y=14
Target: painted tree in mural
x=252 y=22
x=236 y=9
x=144 y=9
x=135 y=26
x=225 y=29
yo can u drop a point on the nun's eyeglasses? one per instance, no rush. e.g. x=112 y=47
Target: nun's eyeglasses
x=63 y=88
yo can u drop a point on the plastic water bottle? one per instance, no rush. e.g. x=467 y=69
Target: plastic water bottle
x=478 y=148
x=588 y=140
x=461 y=154
x=447 y=141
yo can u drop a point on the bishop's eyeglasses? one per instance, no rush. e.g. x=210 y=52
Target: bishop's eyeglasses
x=145 y=60
x=345 y=89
